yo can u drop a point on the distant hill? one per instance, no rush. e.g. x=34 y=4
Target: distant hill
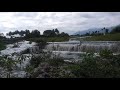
x=94 y=29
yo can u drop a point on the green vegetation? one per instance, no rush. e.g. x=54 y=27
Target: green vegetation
x=104 y=66
x=103 y=35
x=8 y=65
x=116 y=29
x=2 y=45
x=50 y=39
x=56 y=62
x=57 y=39
x=36 y=33
x=107 y=37
x=48 y=35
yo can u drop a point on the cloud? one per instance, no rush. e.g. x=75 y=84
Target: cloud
x=69 y=22
x=87 y=15
x=26 y=14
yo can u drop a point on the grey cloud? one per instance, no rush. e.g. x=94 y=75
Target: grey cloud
x=64 y=21
x=87 y=16
x=26 y=14
x=114 y=13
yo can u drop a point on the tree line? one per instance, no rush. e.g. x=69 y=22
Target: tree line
x=36 y=33
x=103 y=31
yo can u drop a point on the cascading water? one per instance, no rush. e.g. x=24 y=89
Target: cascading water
x=85 y=46
x=34 y=49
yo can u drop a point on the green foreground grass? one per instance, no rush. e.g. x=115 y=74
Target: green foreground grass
x=107 y=37
x=2 y=46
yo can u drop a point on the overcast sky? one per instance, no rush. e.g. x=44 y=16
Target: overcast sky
x=69 y=22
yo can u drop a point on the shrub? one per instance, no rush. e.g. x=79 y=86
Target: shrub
x=8 y=65
x=106 y=53
x=56 y=62
x=35 y=61
x=106 y=65
x=41 y=43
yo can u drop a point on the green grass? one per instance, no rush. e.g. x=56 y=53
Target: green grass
x=107 y=37
x=50 y=39
x=2 y=46
x=57 y=39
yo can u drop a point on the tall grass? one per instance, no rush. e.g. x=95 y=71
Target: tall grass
x=107 y=37
x=50 y=39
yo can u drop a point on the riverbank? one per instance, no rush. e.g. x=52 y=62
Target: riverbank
x=107 y=37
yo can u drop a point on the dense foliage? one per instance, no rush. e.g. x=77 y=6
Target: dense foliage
x=48 y=35
x=106 y=65
x=116 y=29
x=36 y=33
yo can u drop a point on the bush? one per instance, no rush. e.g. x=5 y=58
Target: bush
x=56 y=62
x=106 y=53
x=41 y=43
x=104 y=66
x=8 y=65
x=35 y=61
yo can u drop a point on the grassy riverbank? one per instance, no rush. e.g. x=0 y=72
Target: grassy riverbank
x=50 y=39
x=107 y=37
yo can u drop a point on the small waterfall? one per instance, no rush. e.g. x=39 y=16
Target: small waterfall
x=94 y=46
x=34 y=49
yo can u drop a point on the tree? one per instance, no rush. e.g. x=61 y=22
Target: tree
x=103 y=30
x=35 y=33
x=106 y=30
x=56 y=31
x=27 y=32
x=49 y=33
x=87 y=34
x=116 y=29
x=64 y=34
x=93 y=33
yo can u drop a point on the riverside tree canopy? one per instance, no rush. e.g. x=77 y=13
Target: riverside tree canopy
x=36 y=33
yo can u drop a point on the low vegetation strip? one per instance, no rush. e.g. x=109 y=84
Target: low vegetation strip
x=50 y=39
x=107 y=37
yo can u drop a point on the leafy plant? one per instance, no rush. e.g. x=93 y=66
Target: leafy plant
x=106 y=53
x=8 y=64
